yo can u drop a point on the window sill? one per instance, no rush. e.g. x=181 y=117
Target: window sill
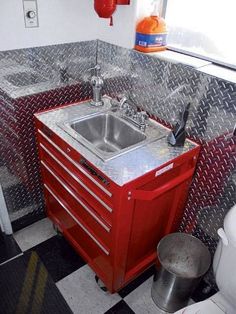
x=177 y=57
x=199 y=64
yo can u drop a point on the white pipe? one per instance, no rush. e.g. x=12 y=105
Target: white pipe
x=4 y=217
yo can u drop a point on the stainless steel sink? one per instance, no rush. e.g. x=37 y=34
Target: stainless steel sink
x=26 y=78
x=107 y=135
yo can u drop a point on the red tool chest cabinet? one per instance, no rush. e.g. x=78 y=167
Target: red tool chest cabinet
x=115 y=228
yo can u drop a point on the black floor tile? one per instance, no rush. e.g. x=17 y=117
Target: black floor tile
x=59 y=257
x=26 y=287
x=203 y=292
x=8 y=248
x=137 y=282
x=120 y=308
x=28 y=220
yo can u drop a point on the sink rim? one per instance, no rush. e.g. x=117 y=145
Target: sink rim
x=106 y=156
x=108 y=117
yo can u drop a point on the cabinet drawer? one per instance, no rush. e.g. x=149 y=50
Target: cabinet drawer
x=81 y=238
x=77 y=183
x=64 y=217
x=75 y=162
x=80 y=209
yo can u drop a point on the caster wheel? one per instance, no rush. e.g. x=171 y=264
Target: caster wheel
x=58 y=231
x=100 y=284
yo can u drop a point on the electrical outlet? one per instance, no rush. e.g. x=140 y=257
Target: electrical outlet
x=31 y=13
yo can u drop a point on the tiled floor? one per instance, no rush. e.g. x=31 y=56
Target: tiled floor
x=34 y=234
x=76 y=280
x=8 y=248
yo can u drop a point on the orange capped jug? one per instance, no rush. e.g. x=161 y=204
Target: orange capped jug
x=151 y=34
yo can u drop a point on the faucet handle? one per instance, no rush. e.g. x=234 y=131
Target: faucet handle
x=123 y=101
x=114 y=103
x=121 y=98
x=96 y=69
x=142 y=116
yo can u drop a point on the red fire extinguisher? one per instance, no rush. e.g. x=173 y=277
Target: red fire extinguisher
x=106 y=8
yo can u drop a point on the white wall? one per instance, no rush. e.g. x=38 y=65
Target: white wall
x=62 y=21
x=122 y=33
x=144 y=8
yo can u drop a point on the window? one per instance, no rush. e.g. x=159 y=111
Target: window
x=204 y=28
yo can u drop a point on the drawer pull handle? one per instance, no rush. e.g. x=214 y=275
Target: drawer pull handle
x=85 y=207
x=77 y=221
x=75 y=164
x=76 y=178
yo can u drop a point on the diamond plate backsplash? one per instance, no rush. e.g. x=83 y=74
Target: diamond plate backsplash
x=162 y=89
x=40 y=78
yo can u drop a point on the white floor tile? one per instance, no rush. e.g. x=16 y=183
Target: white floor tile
x=140 y=300
x=83 y=294
x=34 y=234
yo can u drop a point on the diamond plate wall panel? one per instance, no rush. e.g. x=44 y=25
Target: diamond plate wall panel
x=34 y=70
x=163 y=88
x=32 y=80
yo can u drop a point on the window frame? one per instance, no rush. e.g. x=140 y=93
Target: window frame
x=163 y=10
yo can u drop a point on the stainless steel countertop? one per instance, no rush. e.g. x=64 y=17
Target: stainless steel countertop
x=123 y=168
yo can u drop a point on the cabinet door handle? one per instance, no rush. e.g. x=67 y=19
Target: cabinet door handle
x=77 y=221
x=150 y=195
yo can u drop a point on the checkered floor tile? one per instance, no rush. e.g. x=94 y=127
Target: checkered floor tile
x=75 y=279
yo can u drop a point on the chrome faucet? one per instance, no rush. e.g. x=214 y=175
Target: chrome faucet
x=130 y=112
x=97 y=85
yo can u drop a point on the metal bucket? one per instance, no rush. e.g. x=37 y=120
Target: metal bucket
x=184 y=260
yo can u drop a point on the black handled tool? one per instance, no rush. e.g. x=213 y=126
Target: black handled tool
x=178 y=135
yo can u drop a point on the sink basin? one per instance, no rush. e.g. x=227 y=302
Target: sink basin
x=105 y=134
x=26 y=78
x=108 y=133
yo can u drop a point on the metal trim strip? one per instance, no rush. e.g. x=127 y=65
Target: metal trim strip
x=75 y=164
x=76 y=179
x=211 y=61
x=76 y=198
x=77 y=221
